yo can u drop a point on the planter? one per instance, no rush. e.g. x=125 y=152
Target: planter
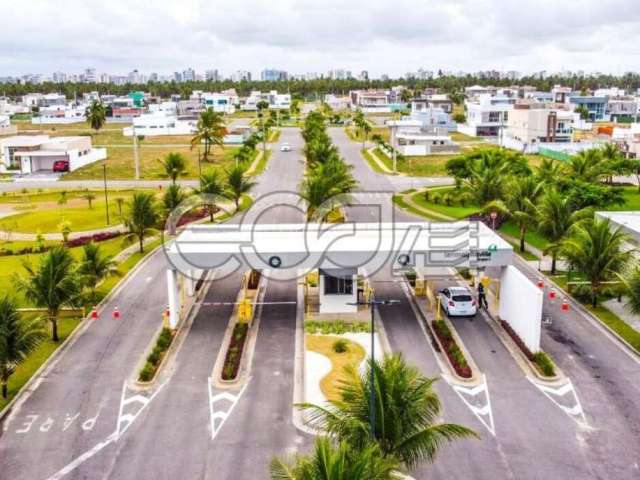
x=540 y=360
x=451 y=349
x=233 y=358
x=157 y=355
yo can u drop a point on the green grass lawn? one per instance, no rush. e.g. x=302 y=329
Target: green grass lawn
x=419 y=166
x=262 y=164
x=274 y=135
x=32 y=363
x=399 y=201
x=457 y=212
x=372 y=163
x=356 y=135
x=463 y=137
x=531 y=236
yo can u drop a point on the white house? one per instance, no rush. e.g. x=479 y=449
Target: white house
x=59 y=114
x=486 y=115
x=159 y=123
x=37 y=153
x=273 y=98
x=531 y=123
x=336 y=102
x=220 y=102
x=5 y=126
x=370 y=101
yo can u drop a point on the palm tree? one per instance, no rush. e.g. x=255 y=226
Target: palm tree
x=597 y=251
x=53 y=285
x=174 y=165
x=331 y=461
x=95 y=267
x=587 y=165
x=211 y=130
x=522 y=194
x=631 y=288
x=142 y=217
x=96 y=114
x=211 y=187
x=238 y=185
x=172 y=197
x=407 y=410
x=89 y=197
x=555 y=216
x=326 y=186
x=366 y=130
x=18 y=338
x=549 y=171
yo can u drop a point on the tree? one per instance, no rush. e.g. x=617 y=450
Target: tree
x=597 y=251
x=631 y=288
x=211 y=130
x=326 y=186
x=89 y=197
x=459 y=117
x=96 y=114
x=95 y=267
x=339 y=461
x=407 y=410
x=583 y=111
x=52 y=285
x=174 y=165
x=555 y=215
x=62 y=199
x=549 y=171
x=142 y=217
x=65 y=230
x=119 y=203
x=237 y=185
x=587 y=165
x=211 y=187
x=18 y=338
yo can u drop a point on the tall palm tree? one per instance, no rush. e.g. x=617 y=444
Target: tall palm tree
x=142 y=217
x=237 y=185
x=340 y=461
x=172 y=197
x=597 y=251
x=406 y=413
x=95 y=267
x=587 y=165
x=96 y=114
x=211 y=130
x=18 y=338
x=174 y=165
x=631 y=288
x=52 y=285
x=549 y=171
x=555 y=216
x=211 y=188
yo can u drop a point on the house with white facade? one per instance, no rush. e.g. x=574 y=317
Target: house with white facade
x=531 y=124
x=26 y=154
x=159 y=123
x=59 y=114
x=370 y=101
x=5 y=126
x=486 y=115
x=276 y=101
x=337 y=102
x=425 y=131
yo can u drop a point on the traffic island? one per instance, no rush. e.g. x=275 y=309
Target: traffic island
x=233 y=363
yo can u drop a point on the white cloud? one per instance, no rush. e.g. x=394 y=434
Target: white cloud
x=304 y=35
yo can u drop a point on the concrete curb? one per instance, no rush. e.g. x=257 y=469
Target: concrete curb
x=25 y=391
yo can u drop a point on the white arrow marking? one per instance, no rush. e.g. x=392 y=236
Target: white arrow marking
x=575 y=412
x=480 y=412
x=221 y=414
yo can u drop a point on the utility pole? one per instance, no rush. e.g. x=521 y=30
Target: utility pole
x=136 y=160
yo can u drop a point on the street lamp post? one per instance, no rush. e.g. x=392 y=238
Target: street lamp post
x=372 y=304
x=106 y=197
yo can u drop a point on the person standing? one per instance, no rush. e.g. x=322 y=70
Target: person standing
x=482 y=297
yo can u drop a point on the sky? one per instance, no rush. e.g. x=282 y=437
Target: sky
x=300 y=36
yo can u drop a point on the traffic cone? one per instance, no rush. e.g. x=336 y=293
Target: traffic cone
x=116 y=313
x=565 y=305
x=94 y=313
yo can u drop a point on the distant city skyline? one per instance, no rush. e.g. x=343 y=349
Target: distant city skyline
x=302 y=36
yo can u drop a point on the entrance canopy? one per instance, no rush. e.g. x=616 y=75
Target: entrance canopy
x=345 y=245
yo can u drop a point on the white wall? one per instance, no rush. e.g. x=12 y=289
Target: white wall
x=94 y=155
x=521 y=306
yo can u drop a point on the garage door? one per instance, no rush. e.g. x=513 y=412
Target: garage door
x=41 y=163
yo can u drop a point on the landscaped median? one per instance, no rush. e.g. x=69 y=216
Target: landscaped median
x=233 y=361
x=155 y=358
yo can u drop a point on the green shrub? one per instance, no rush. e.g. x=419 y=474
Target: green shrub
x=340 y=346
x=582 y=292
x=154 y=358
x=146 y=373
x=436 y=198
x=427 y=195
x=545 y=364
x=447 y=199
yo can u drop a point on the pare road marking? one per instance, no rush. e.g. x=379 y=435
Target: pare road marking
x=478 y=400
x=218 y=417
x=566 y=398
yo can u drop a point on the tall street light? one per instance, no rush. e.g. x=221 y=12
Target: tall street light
x=372 y=304
x=106 y=197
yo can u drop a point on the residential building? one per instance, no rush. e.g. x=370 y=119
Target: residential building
x=89 y=75
x=476 y=91
x=212 y=76
x=160 y=123
x=59 y=77
x=241 y=76
x=220 y=102
x=59 y=114
x=596 y=106
x=370 y=100
x=37 y=153
x=5 y=126
x=273 y=75
x=439 y=100
x=273 y=98
x=531 y=123
x=622 y=108
x=337 y=102
x=486 y=115
x=188 y=75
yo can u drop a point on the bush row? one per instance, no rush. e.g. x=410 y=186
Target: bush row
x=157 y=354
x=338 y=327
x=76 y=242
x=451 y=348
x=540 y=359
x=234 y=353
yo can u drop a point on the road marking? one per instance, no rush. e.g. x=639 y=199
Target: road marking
x=84 y=457
x=221 y=415
x=573 y=407
x=472 y=398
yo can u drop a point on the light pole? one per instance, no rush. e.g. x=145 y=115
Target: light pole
x=372 y=304
x=106 y=197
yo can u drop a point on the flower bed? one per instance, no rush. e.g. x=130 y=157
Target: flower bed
x=234 y=352
x=540 y=359
x=157 y=354
x=192 y=216
x=337 y=327
x=96 y=237
x=453 y=352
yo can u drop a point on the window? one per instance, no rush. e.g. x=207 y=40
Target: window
x=338 y=285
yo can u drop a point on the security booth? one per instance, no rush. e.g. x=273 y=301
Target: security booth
x=344 y=254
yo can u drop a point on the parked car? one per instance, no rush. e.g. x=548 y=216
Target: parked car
x=61 y=166
x=285 y=147
x=458 y=301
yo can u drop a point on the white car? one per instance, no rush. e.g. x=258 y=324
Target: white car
x=285 y=147
x=458 y=302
